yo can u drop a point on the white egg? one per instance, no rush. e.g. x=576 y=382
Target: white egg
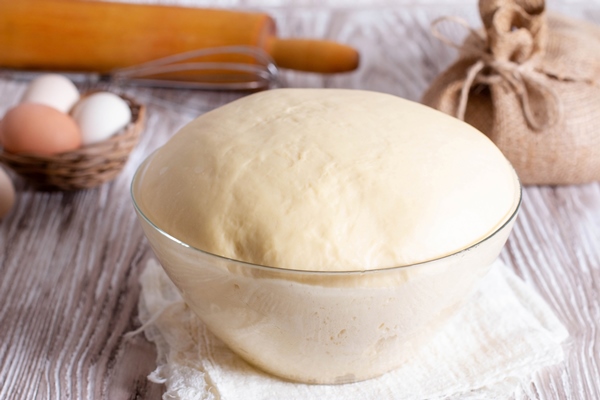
x=52 y=90
x=100 y=116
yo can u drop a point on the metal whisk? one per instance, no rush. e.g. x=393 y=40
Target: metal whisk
x=219 y=68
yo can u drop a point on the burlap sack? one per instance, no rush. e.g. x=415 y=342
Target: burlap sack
x=529 y=82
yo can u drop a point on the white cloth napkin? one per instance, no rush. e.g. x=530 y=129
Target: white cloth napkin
x=497 y=342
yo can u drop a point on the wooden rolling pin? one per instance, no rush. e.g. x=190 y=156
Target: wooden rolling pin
x=94 y=36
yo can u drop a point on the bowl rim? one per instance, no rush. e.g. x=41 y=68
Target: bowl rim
x=500 y=228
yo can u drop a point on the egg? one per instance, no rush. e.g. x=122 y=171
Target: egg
x=34 y=128
x=7 y=194
x=52 y=90
x=100 y=116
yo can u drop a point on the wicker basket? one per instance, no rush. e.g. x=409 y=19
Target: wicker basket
x=82 y=168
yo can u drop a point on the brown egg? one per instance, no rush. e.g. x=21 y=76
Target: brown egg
x=7 y=193
x=31 y=128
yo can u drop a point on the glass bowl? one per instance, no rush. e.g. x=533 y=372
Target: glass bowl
x=323 y=327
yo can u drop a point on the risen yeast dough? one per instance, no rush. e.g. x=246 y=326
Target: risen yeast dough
x=324 y=179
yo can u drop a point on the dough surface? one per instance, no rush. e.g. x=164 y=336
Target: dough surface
x=328 y=179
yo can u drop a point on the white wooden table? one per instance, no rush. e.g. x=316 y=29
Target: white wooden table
x=69 y=262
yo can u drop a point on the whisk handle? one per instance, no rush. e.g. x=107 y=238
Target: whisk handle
x=321 y=56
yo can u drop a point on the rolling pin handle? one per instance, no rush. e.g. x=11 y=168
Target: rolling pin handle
x=313 y=55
